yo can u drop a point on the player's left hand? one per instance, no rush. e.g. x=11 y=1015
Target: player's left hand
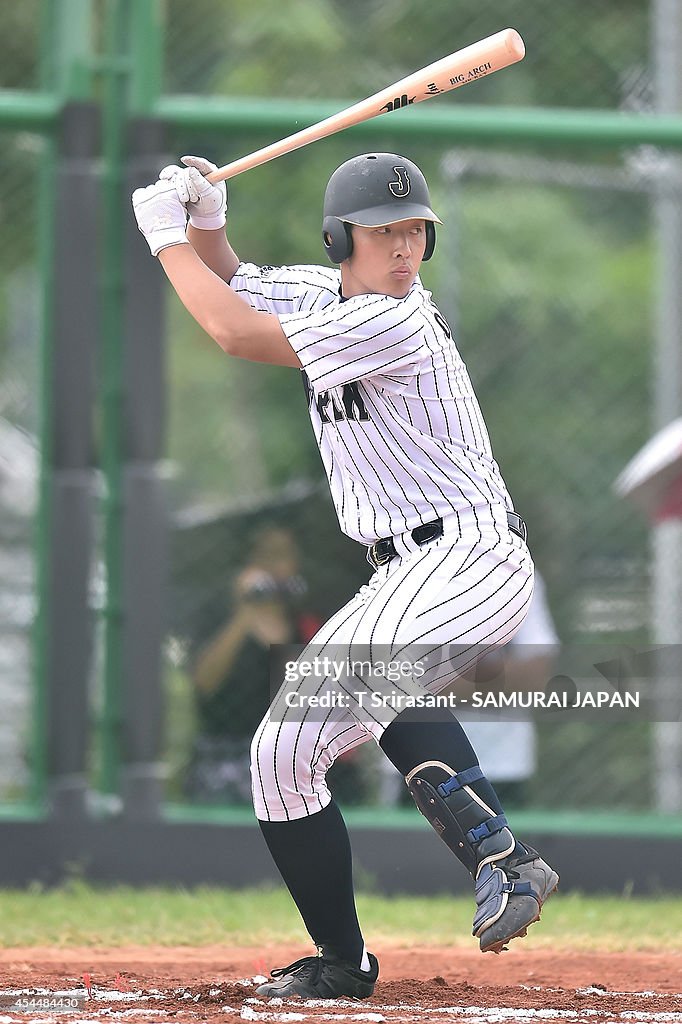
x=160 y=215
x=206 y=202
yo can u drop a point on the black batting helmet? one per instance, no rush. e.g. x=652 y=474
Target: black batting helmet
x=372 y=190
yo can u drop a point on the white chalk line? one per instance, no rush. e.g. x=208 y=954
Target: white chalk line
x=258 y=1010
x=277 y=1010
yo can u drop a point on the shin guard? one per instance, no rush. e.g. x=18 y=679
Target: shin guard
x=511 y=881
x=465 y=823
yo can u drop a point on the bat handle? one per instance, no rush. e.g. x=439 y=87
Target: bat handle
x=218 y=175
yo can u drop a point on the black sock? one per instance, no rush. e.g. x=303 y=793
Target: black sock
x=313 y=856
x=433 y=734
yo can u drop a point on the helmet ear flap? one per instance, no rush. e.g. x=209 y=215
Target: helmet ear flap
x=430 y=240
x=337 y=239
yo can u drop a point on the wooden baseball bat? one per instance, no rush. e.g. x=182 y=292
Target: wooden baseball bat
x=467 y=65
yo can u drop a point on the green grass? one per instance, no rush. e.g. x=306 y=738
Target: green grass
x=83 y=915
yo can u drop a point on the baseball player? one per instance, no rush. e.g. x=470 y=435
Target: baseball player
x=413 y=478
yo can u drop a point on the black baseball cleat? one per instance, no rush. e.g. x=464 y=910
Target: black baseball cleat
x=324 y=976
x=510 y=894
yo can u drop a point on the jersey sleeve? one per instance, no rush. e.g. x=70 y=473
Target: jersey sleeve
x=365 y=336
x=284 y=289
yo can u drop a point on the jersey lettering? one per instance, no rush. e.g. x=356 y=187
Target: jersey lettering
x=441 y=321
x=309 y=396
x=352 y=405
x=323 y=400
x=353 y=402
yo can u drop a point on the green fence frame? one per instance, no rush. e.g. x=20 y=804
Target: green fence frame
x=129 y=70
x=466 y=124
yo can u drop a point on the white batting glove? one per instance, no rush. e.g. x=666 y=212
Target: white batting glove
x=205 y=202
x=160 y=215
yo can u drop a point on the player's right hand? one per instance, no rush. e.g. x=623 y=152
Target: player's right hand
x=205 y=202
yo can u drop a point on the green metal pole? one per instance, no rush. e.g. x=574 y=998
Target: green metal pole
x=114 y=69
x=28 y=111
x=46 y=221
x=147 y=56
x=64 y=55
x=130 y=70
x=457 y=124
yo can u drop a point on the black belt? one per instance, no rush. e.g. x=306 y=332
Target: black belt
x=382 y=551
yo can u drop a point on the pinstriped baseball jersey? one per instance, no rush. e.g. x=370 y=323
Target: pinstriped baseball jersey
x=394 y=413
x=403 y=442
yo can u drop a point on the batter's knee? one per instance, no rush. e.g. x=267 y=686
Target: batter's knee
x=283 y=782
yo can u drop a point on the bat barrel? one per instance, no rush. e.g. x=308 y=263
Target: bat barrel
x=467 y=65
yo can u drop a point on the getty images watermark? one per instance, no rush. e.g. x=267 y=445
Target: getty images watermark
x=579 y=682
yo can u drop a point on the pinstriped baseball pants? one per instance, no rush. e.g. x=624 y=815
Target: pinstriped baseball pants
x=440 y=607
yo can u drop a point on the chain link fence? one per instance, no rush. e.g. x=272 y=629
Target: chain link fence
x=577 y=55
x=20 y=330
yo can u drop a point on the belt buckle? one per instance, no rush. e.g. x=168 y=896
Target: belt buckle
x=380 y=552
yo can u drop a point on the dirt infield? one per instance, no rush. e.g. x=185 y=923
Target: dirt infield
x=451 y=984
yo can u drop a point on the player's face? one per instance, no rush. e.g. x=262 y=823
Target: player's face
x=385 y=260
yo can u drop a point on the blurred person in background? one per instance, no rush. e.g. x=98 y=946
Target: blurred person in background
x=506 y=741
x=231 y=671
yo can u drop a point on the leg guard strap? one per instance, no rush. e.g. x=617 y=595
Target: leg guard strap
x=487 y=828
x=464 y=778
